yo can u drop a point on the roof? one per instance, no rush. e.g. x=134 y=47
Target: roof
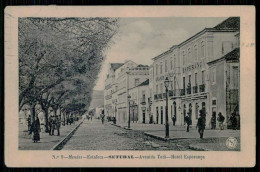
x=115 y=66
x=144 y=83
x=230 y=23
x=232 y=55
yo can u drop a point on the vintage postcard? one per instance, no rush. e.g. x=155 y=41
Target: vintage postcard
x=130 y=86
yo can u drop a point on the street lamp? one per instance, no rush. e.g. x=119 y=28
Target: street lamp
x=166 y=84
x=133 y=105
x=129 y=97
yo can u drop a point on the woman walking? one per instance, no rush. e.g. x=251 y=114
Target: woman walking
x=35 y=129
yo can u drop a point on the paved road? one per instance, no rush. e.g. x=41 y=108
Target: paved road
x=92 y=135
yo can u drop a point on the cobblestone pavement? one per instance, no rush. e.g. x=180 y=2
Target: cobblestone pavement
x=92 y=135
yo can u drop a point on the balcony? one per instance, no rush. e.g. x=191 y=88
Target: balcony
x=195 y=89
x=164 y=95
x=159 y=96
x=202 y=88
x=142 y=101
x=171 y=93
x=189 y=90
x=182 y=92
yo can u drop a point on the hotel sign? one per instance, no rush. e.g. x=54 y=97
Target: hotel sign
x=192 y=67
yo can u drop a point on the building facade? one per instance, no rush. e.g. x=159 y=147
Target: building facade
x=193 y=79
x=120 y=80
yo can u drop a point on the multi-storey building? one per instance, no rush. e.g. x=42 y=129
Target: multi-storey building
x=139 y=105
x=110 y=84
x=186 y=65
x=121 y=78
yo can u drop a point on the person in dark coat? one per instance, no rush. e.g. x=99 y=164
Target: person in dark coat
x=58 y=122
x=213 y=122
x=53 y=125
x=233 y=121
x=35 y=129
x=50 y=124
x=188 y=122
x=221 y=119
x=201 y=124
x=174 y=120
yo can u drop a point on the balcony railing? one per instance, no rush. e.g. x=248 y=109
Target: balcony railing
x=142 y=101
x=189 y=90
x=164 y=95
x=182 y=92
x=202 y=88
x=171 y=93
x=195 y=89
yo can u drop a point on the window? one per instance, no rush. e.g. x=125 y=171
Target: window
x=202 y=49
x=235 y=76
x=195 y=52
x=183 y=57
x=166 y=66
x=137 y=80
x=195 y=79
x=213 y=76
x=203 y=77
x=161 y=88
x=161 y=68
x=183 y=82
x=189 y=79
x=214 y=102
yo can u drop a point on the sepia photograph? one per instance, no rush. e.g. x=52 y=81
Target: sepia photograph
x=161 y=84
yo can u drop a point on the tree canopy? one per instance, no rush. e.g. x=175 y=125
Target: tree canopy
x=60 y=58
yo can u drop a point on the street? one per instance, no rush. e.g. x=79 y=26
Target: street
x=92 y=135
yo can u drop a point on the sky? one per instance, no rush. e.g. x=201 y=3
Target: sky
x=141 y=39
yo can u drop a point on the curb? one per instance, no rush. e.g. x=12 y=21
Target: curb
x=157 y=137
x=197 y=149
x=121 y=126
x=61 y=143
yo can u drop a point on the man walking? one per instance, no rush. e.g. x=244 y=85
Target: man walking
x=188 y=122
x=221 y=119
x=58 y=122
x=201 y=124
x=174 y=120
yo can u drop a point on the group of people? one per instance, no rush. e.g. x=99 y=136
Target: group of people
x=220 y=120
x=54 y=124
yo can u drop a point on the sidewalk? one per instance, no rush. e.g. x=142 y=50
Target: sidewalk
x=213 y=139
x=46 y=142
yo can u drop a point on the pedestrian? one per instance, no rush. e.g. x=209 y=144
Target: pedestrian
x=35 y=129
x=221 y=119
x=29 y=122
x=188 y=122
x=201 y=124
x=213 y=122
x=50 y=124
x=103 y=118
x=53 y=125
x=58 y=122
x=71 y=119
x=233 y=120
x=174 y=120
x=237 y=117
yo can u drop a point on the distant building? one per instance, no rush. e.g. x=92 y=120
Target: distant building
x=120 y=79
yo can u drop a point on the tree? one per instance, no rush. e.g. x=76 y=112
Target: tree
x=54 y=52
